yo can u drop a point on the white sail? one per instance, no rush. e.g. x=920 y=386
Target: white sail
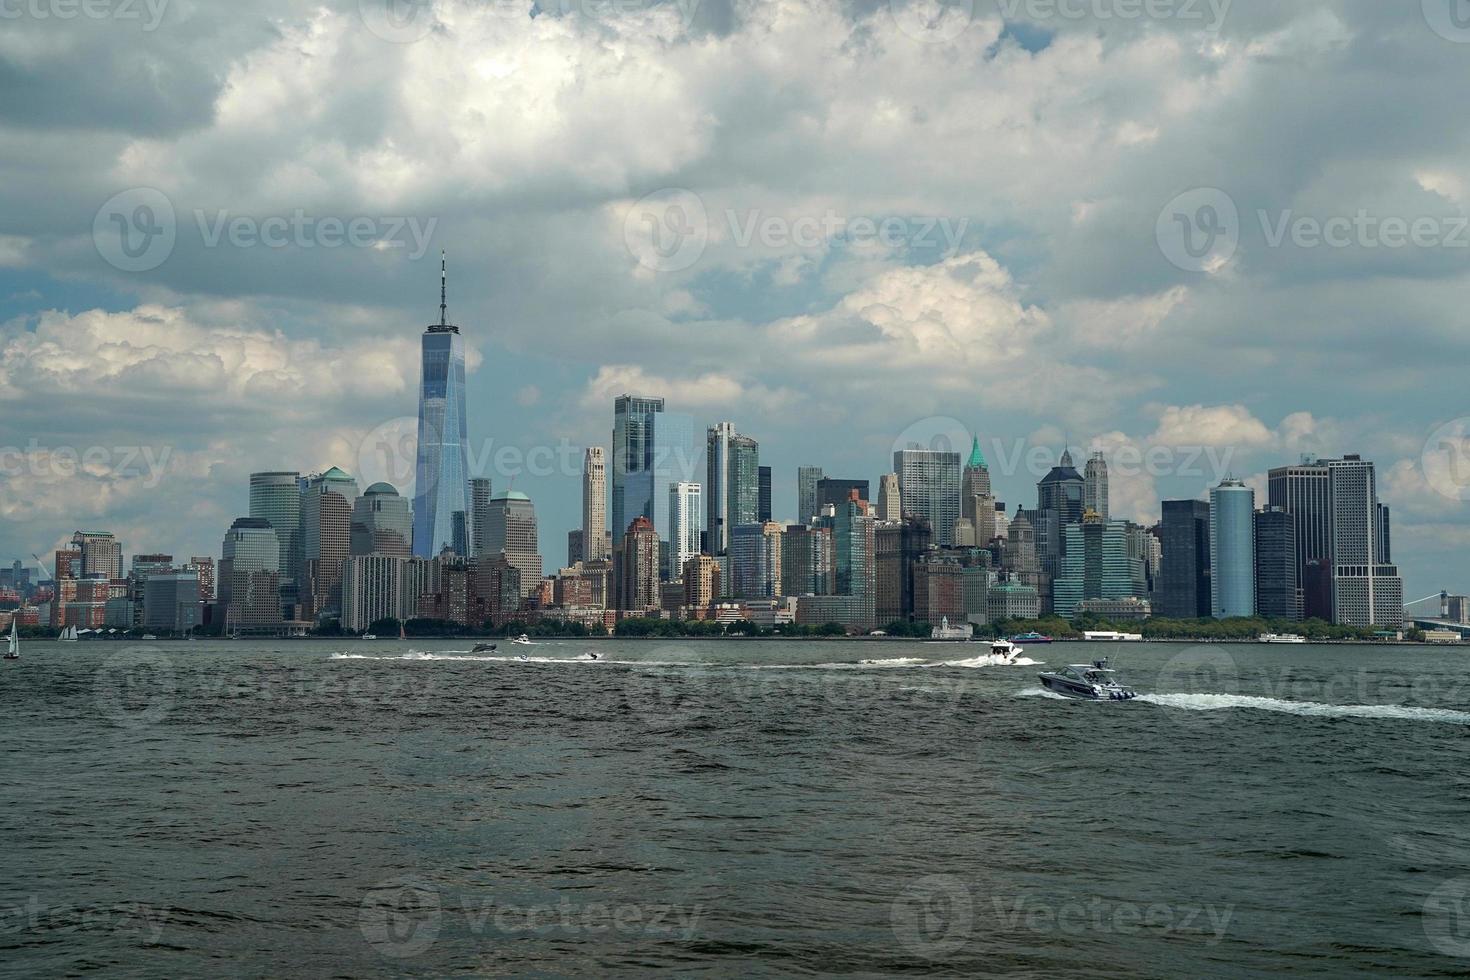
x=13 y=647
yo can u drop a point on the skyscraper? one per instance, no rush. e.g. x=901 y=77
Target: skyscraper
x=1303 y=492
x=834 y=492
x=101 y=554
x=732 y=488
x=481 y=491
x=1278 y=590
x=249 y=575
x=1232 y=550
x=1095 y=486
x=381 y=524
x=326 y=537
x=806 y=493
x=441 y=471
x=976 y=480
x=1366 y=587
x=755 y=561
x=686 y=523
x=275 y=498
x=1184 y=566
x=635 y=567
x=890 y=499
x=763 y=494
x=652 y=449
x=594 y=504
x=929 y=483
x=512 y=532
x=1098 y=564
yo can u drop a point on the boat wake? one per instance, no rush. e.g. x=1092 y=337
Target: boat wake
x=991 y=660
x=453 y=656
x=1222 y=702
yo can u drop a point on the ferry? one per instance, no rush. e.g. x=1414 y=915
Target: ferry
x=1110 y=636
x=1280 y=638
x=944 y=631
x=1031 y=638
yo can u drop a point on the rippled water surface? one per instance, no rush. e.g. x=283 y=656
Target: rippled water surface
x=731 y=808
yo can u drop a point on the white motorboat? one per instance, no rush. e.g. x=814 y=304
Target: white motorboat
x=1006 y=650
x=522 y=640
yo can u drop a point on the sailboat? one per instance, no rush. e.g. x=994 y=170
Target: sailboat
x=69 y=634
x=12 y=650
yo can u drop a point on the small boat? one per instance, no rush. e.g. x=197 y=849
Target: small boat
x=483 y=648
x=369 y=636
x=594 y=656
x=149 y=636
x=1031 y=638
x=944 y=631
x=1112 y=636
x=1096 y=682
x=1006 y=650
x=12 y=648
x=69 y=635
x=1280 y=638
x=522 y=640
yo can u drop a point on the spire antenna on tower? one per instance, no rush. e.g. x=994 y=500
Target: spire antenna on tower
x=443 y=286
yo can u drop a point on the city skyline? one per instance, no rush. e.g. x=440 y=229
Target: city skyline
x=1055 y=307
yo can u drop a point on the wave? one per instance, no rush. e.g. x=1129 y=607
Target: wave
x=991 y=660
x=1221 y=702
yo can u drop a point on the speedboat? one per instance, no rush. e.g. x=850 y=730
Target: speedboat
x=522 y=640
x=1094 y=682
x=369 y=636
x=1005 y=649
x=1280 y=638
x=483 y=648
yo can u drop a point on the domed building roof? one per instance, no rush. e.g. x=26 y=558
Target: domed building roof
x=381 y=490
x=510 y=495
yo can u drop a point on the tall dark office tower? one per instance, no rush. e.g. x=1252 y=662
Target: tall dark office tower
x=1302 y=491
x=834 y=492
x=480 y=493
x=732 y=484
x=1184 y=575
x=1063 y=490
x=898 y=546
x=440 y=507
x=763 y=495
x=652 y=450
x=1278 y=580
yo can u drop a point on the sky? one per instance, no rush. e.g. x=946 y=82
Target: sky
x=1204 y=237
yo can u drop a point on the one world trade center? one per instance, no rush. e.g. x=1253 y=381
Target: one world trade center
x=440 y=473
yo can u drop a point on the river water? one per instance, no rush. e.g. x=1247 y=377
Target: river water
x=731 y=808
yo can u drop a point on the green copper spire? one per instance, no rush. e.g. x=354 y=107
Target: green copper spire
x=977 y=458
